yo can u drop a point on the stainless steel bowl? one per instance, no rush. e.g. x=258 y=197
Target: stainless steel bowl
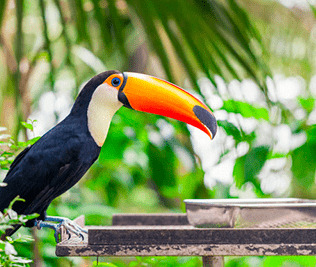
x=251 y=213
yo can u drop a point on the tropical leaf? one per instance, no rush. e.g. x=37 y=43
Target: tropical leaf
x=245 y=109
x=231 y=130
x=3 y=4
x=145 y=16
x=81 y=22
x=118 y=28
x=219 y=36
x=304 y=156
x=104 y=29
x=248 y=166
x=162 y=170
x=48 y=46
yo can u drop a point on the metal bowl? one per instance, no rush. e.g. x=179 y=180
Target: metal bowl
x=251 y=213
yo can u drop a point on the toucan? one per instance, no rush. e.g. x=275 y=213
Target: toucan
x=59 y=159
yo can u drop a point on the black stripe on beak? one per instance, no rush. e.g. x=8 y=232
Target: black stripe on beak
x=121 y=96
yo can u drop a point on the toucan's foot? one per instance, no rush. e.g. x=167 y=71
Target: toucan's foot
x=56 y=223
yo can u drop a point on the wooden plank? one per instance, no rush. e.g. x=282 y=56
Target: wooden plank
x=150 y=219
x=174 y=235
x=185 y=240
x=83 y=249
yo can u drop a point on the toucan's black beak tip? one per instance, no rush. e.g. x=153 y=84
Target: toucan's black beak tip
x=207 y=118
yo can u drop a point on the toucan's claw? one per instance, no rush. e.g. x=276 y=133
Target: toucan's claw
x=63 y=223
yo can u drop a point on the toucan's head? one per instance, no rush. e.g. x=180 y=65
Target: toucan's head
x=111 y=89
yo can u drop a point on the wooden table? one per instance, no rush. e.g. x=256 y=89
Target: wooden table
x=171 y=235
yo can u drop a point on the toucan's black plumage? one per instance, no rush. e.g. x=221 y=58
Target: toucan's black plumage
x=62 y=156
x=55 y=162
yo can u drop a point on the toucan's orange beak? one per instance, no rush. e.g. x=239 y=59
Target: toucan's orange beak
x=149 y=94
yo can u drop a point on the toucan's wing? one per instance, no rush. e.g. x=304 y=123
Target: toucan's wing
x=67 y=176
x=18 y=159
x=45 y=171
x=40 y=200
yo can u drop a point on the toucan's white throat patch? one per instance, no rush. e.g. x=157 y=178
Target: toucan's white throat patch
x=103 y=105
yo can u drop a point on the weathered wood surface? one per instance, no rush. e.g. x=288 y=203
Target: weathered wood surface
x=150 y=219
x=185 y=240
x=77 y=248
x=175 y=235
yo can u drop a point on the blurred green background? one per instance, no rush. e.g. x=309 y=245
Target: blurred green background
x=252 y=61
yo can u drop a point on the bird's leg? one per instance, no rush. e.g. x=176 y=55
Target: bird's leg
x=40 y=224
x=69 y=226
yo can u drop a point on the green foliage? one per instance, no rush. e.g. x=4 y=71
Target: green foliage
x=154 y=261
x=231 y=130
x=245 y=109
x=27 y=125
x=106 y=264
x=307 y=103
x=248 y=166
x=162 y=167
x=277 y=261
x=8 y=147
x=305 y=155
x=8 y=253
x=7 y=156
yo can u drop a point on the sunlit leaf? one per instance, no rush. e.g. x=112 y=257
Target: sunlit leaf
x=307 y=103
x=313 y=8
x=245 y=109
x=31 y=216
x=27 y=125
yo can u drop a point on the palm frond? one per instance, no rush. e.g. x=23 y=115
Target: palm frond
x=207 y=36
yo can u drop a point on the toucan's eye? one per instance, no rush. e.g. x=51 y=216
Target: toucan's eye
x=115 y=82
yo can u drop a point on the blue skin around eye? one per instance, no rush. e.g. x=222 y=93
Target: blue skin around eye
x=115 y=82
